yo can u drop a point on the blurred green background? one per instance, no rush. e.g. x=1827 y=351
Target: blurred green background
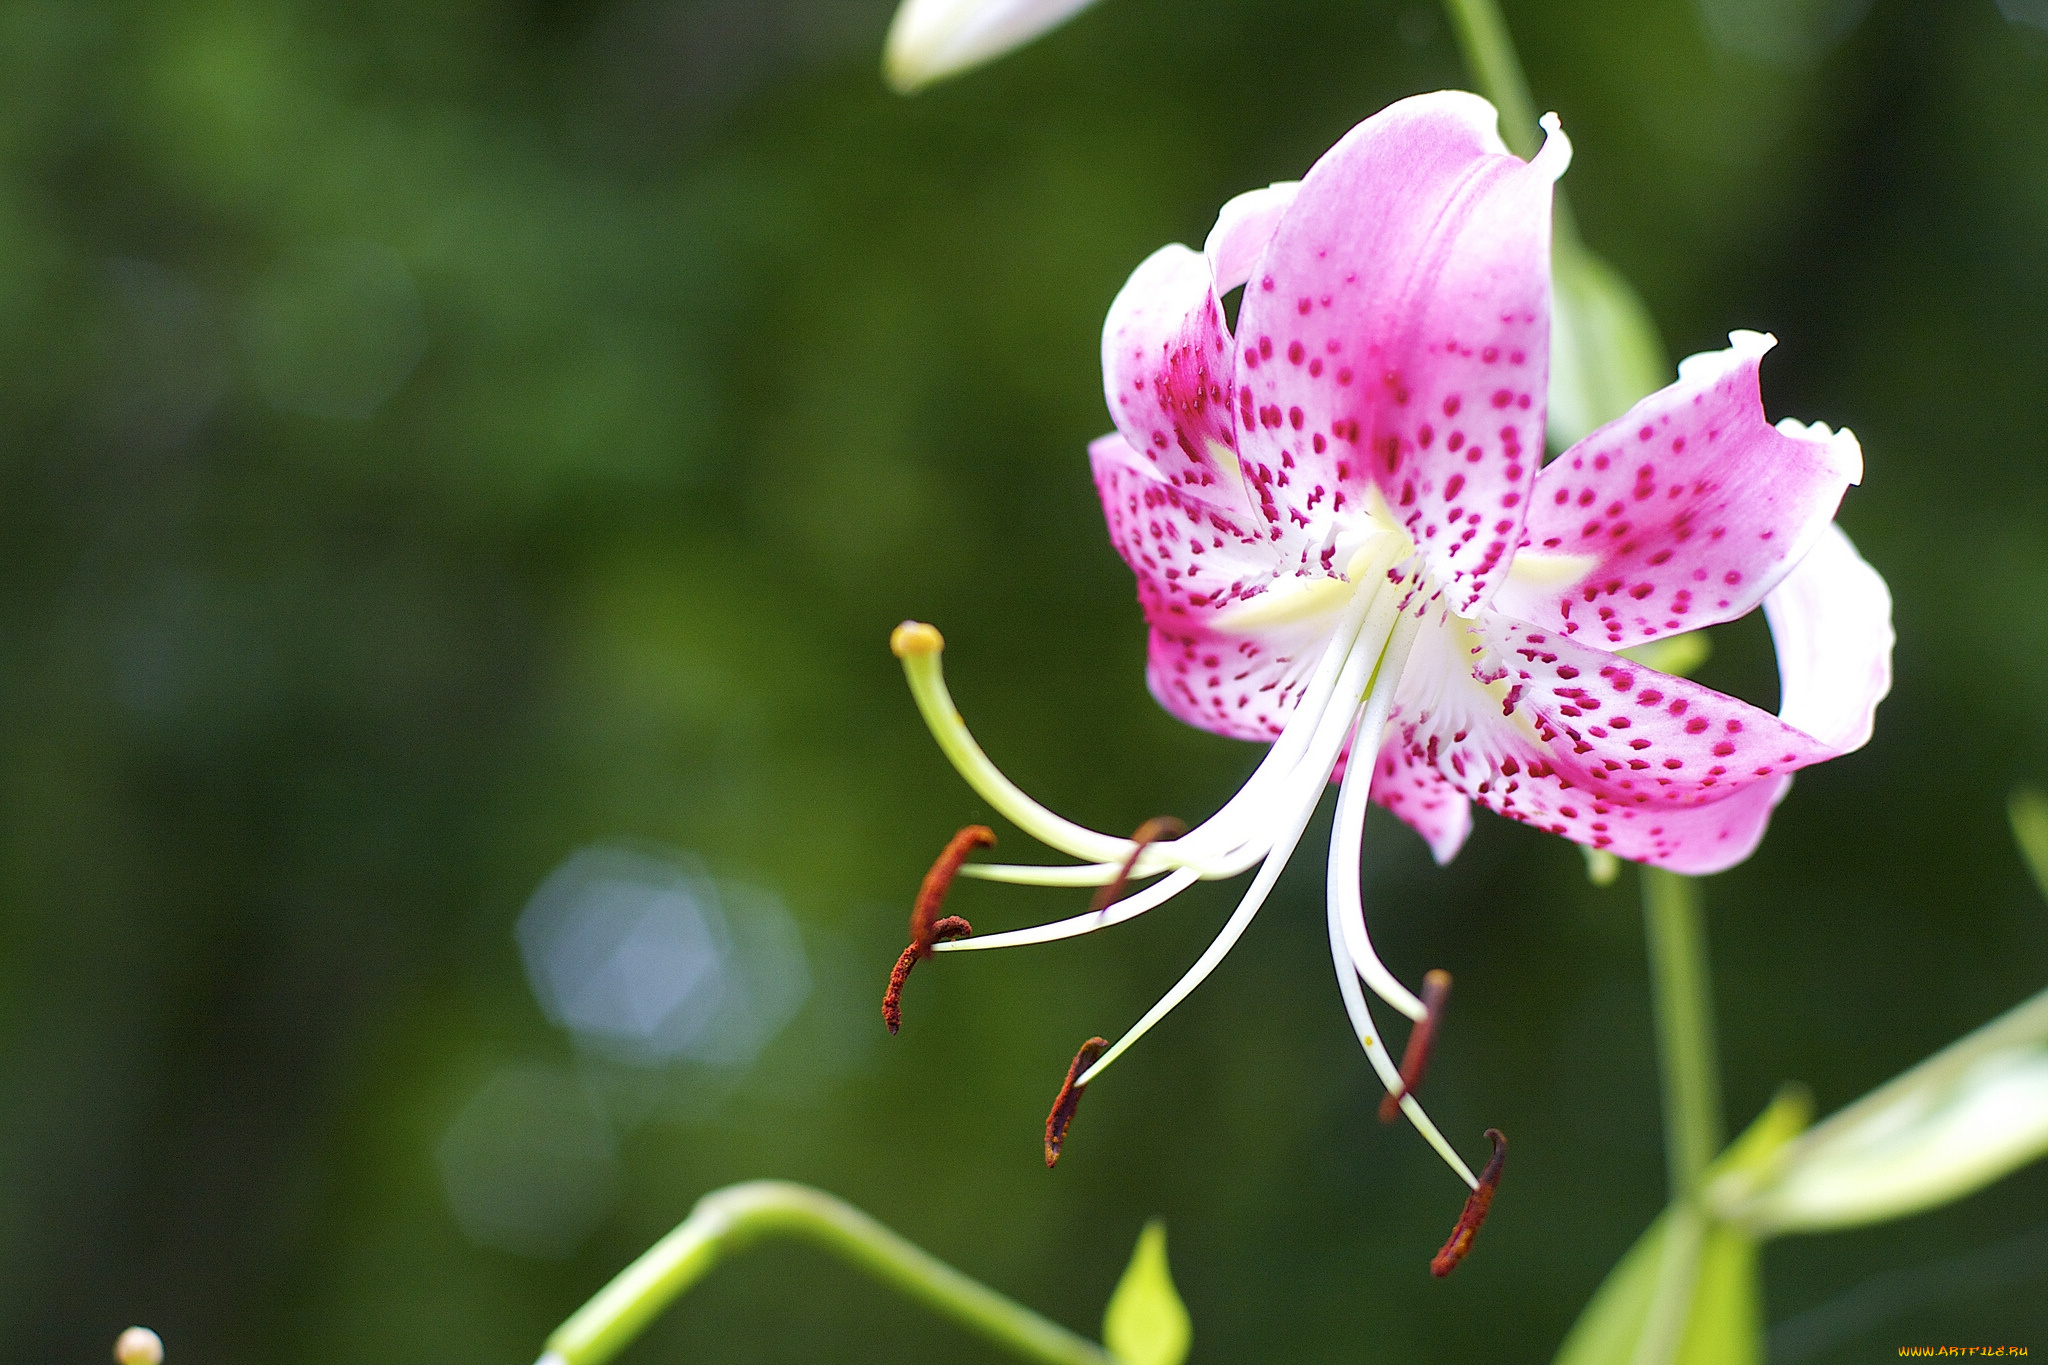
x=436 y=438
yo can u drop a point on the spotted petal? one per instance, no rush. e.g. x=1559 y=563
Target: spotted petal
x=1166 y=367
x=1423 y=799
x=1207 y=572
x=1167 y=356
x=1540 y=728
x=1683 y=513
x=1394 y=339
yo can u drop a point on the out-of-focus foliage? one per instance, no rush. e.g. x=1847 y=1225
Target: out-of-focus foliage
x=1688 y=1285
x=1146 y=1323
x=439 y=438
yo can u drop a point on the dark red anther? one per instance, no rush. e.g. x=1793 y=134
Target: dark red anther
x=1069 y=1099
x=951 y=927
x=1476 y=1206
x=926 y=925
x=1436 y=989
x=1151 y=832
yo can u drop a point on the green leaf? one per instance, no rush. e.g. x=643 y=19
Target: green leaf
x=1146 y=1323
x=1969 y=1115
x=1607 y=1331
x=1687 y=1292
x=1604 y=351
x=2029 y=811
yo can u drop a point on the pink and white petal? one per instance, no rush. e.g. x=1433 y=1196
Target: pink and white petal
x=1193 y=553
x=1683 y=513
x=1831 y=620
x=1395 y=337
x=1238 y=685
x=1243 y=227
x=1221 y=657
x=1518 y=765
x=1625 y=734
x=1166 y=371
x=1421 y=798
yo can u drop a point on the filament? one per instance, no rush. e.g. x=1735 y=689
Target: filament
x=1327 y=744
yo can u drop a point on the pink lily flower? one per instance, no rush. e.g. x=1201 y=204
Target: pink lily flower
x=1347 y=545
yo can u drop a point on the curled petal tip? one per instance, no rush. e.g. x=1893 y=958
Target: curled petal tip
x=1436 y=991
x=1069 y=1099
x=915 y=640
x=1476 y=1206
x=1556 y=153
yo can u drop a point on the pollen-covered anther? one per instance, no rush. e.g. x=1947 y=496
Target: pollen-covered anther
x=1476 y=1206
x=927 y=927
x=1436 y=990
x=913 y=639
x=1151 y=832
x=1069 y=1099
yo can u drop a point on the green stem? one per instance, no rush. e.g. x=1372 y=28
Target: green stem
x=1489 y=54
x=726 y=1220
x=1684 y=1007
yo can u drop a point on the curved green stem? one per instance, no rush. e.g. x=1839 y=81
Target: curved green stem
x=726 y=1220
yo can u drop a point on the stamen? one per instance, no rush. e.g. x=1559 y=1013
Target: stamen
x=1087 y=922
x=1069 y=1100
x=1476 y=1206
x=1312 y=775
x=1354 y=795
x=1151 y=832
x=931 y=894
x=1436 y=989
x=926 y=927
x=947 y=929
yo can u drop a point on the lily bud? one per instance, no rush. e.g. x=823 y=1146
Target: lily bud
x=930 y=40
x=1967 y=1116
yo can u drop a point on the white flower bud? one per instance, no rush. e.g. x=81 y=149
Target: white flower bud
x=933 y=39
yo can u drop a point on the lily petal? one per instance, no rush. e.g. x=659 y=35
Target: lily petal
x=1243 y=227
x=1610 y=754
x=1396 y=336
x=1193 y=559
x=1166 y=370
x=1424 y=800
x=1682 y=513
x=1831 y=620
